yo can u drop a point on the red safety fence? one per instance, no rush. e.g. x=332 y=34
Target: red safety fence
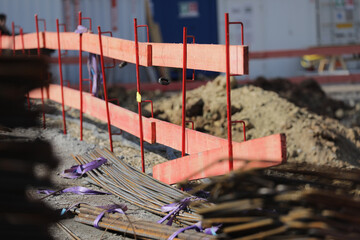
x=233 y=60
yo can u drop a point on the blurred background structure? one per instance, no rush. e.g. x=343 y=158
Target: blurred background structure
x=276 y=25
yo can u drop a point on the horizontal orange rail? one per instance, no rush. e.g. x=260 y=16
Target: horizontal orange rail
x=209 y=57
x=204 y=149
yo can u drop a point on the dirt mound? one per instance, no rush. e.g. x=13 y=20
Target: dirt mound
x=306 y=94
x=310 y=137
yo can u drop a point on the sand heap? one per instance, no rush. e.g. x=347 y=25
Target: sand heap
x=310 y=137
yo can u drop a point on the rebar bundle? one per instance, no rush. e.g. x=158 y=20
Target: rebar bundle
x=132 y=227
x=286 y=202
x=137 y=187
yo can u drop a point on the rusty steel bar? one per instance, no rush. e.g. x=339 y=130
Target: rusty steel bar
x=138 y=95
x=39 y=54
x=105 y=89
x=61 y=76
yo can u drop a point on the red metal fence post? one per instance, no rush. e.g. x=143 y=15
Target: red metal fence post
x=228 y=89
x=105 y=89
x=184 y=92
x=138 y=95
x=61 y=75
x=80 y=79
x=39 y=54
x=228 y=97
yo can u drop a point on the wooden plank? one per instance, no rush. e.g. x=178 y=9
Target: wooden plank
x=261 y=152
x=119 y=117
x=210 y=57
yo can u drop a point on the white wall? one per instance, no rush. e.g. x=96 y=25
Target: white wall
x=271 y=25
x=22 y=13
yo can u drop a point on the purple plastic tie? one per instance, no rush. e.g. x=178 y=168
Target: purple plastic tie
x=78 y=170
x=110 y=209
x=77 y=190
x=175 y=208
x=81 y=29
x=197 y=226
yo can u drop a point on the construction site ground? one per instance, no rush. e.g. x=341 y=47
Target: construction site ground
x=319 y=130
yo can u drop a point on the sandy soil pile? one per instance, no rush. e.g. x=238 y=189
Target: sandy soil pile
x=310 y=137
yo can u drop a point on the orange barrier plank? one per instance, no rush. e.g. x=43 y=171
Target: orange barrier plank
x=210 y=57
x=262 y=152
x=119 y=117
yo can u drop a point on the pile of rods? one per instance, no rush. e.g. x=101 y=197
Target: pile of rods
x=132 y=227
x=137 y=187
x=286 y=202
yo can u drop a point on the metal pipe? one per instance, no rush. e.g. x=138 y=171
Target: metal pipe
x=105 y=89
x=138 y=95
x=61 y=76
x=244 y=127
x=80 y=79
x=228 y=96
x=184 y=92
x=13 y=36
x=39 y=54
x=22 y=41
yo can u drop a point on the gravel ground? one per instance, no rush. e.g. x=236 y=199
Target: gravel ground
x=65 y=146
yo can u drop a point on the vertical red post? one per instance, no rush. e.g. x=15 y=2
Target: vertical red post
x=105 y=89
x=13 y=36
x=184 y=92
x=61 y=75
x=39 y=54
x=228 y=96
x=22 y=41
x=138 y=95
x=80 y=79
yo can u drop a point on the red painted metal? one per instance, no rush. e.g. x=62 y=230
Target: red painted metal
x=13 y=36
x=242 y=30
x=22 y=41
x=139 y=94
x=228 y=89
x=184 y=92
x=228 y=97
x=192 y=123
x=64 y=26
x=90 y=83
x=39 y=54
x=152 y=107
x=193 y=75
x=61 y=76
x=105 y=89
x=147 y=31
x=80 y=76
x=244 y=127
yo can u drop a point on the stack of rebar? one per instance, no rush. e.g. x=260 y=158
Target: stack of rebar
x=137 y=187
x=21 y=217
x=286 y=202
x=132 y=227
